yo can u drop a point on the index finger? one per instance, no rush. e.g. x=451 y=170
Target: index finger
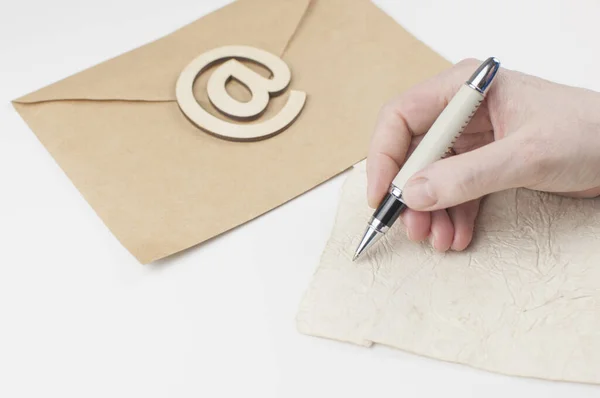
x=409 y=115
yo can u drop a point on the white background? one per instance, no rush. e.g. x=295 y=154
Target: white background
x=79 y=317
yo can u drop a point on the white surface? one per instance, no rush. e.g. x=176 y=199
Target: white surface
x=531 y=280
x=80 y=317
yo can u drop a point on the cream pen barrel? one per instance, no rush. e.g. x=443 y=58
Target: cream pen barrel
x=435 y=144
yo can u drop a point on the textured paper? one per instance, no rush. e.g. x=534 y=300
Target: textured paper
x=162 y=185
x=523 y=300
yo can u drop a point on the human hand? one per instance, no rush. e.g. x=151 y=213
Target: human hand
x=528 y=132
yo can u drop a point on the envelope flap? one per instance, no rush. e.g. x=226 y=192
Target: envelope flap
x=149 y=73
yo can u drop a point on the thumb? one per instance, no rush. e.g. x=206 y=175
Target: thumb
x=461 y=178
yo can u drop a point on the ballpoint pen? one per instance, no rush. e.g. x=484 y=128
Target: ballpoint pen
x=436 y=143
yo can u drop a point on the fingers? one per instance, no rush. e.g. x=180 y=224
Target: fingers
x=412 y=114
x=451 y=229
x=465 y=177
x=437 y=226
x=418 y=224
x=442 y=230
x=463 y=218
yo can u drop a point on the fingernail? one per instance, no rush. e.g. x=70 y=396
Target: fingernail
x=418 y=194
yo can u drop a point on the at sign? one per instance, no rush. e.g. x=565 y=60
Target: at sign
x=260 y=87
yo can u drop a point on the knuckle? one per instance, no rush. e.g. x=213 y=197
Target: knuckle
x=389 y=108
x=389 y=111
x=392 y=115
x=468 y=184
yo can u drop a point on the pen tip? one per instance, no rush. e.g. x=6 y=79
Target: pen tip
x=371 y=236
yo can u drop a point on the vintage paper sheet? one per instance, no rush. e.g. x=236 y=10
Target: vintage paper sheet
x=160 y=183
x=523 y=300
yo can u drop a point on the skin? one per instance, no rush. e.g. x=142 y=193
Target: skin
x=528 y=132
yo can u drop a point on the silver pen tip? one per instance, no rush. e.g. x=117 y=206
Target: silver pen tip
x=369 y=238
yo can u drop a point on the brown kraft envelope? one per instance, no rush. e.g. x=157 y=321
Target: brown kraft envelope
x=160 y=183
